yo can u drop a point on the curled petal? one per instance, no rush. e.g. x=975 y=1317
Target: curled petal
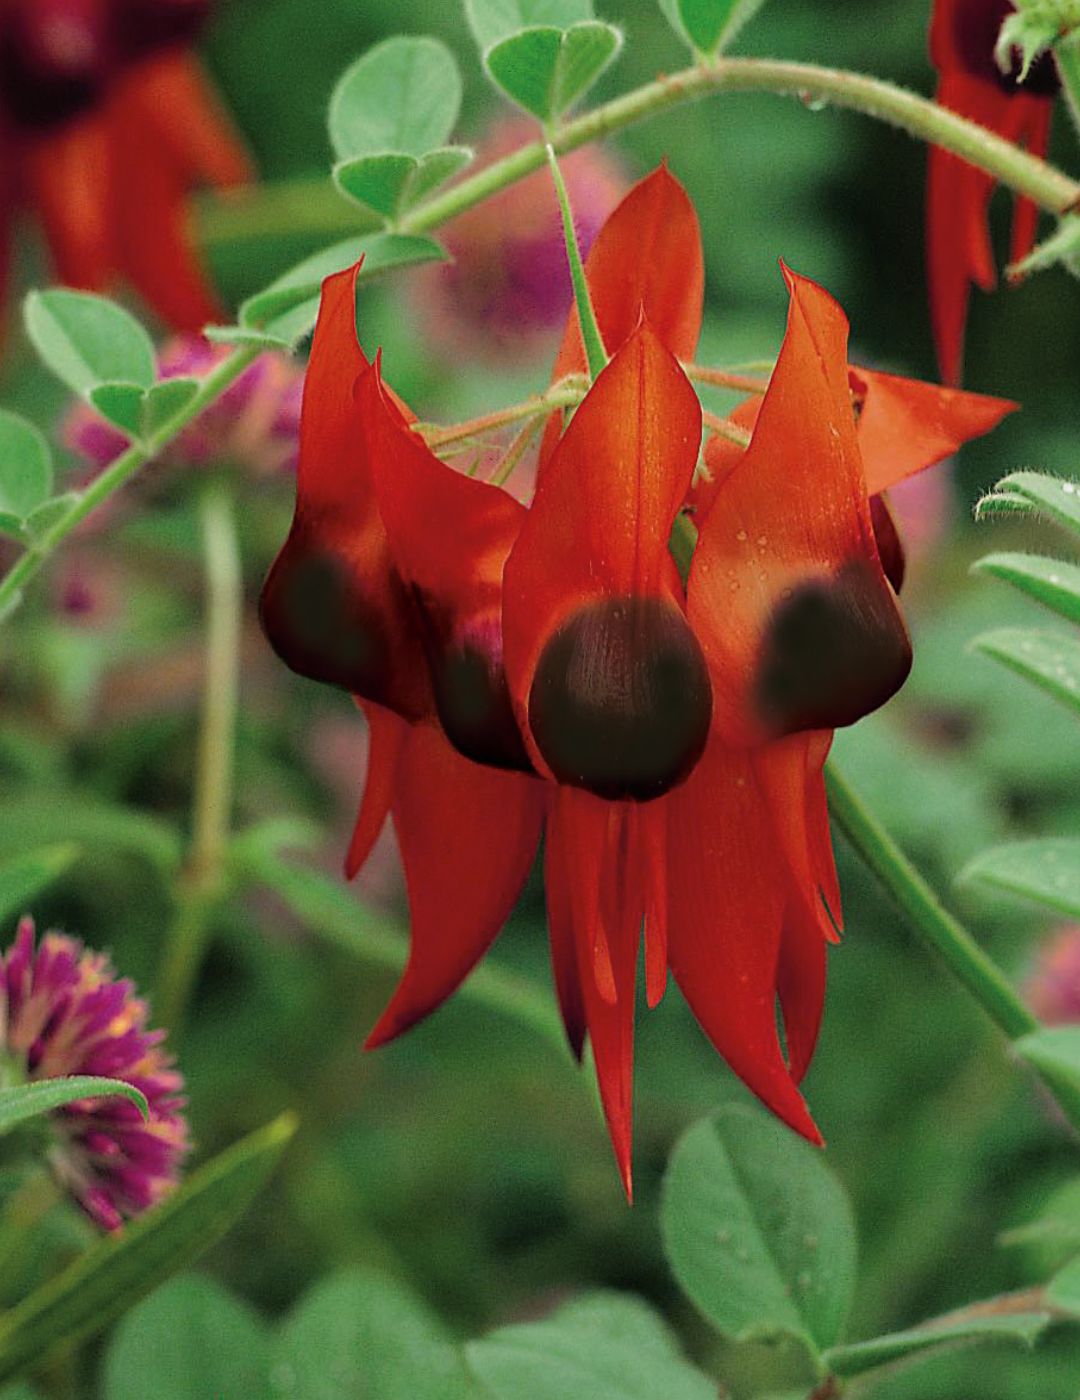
x=800 y=985
x=468 y=837
x=786 y=591
x=647 y=258
x=68 y=174
x=607 y=680
x=449 y=538
x=728 y=895
x=333 y=607
x=906 y=425
x=387 y=737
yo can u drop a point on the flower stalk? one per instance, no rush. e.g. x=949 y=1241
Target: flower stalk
x=201 y=881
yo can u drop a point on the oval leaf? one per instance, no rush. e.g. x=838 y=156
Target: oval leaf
x=601 y=1346
x=709 y=26
x=1051 y=582
x=494 y=20
x=1033 y=493
x=195 y=1340
x=23 y=879
x=545 y=70
x=26 y=467
x=1022 y=1328
x=121 y=404
x=87 y=340
x=165 y=400
x=1054 y=1051
x=402 y=96
x=758 y=1230
x=1048 y=659
x=25 y=1101
x=117 y=1271
x=376 y=182
x=1046 y=871
x=362 y=1334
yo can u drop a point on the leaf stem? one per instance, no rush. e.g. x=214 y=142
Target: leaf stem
x=204 y=874
x=595 y=354
x=726 y=379
x=119 y=473
x=565 y=393
x=934 y=924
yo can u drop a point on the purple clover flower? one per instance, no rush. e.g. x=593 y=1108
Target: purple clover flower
x=63 y=1012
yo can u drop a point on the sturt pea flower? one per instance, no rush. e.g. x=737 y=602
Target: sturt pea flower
x=107 y=124
x=962 y=38
x=63 y=1012
x=676 y=760
x=1053 y=988
x=254 y=426
x=505 y=293
x=336 y=609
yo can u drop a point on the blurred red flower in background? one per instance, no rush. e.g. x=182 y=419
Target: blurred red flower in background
x=106 y=125
x=546 y=664
x=962 y=38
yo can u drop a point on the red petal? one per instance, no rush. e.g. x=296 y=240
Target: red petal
x=449 y=537
x=599 y=525
x=601 y=885
x=387 y=736
x=1032 y=129
x=906 y=424
x=800 y=984
x=332 y=606
x=68 y=177
x=564 y=966
x=728 y=895
x=786 y=591
x=171 y=95
x=468 y=837
x=647 y=258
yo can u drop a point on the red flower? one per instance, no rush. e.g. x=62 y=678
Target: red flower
x=548 y=664
x=962 y=38
x=106 y=124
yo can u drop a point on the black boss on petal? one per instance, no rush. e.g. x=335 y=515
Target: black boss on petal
x=323 y=626
x=621 y=700
x=976 y=26
x=54 y=60
x=141 y=26
x=472 y=697
x=834 y=651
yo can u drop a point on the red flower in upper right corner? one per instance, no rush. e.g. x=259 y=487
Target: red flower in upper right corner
x=962 y=38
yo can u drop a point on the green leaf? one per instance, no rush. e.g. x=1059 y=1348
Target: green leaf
x=494 y=20
x=1054 y=1234
x=709 y=26
x=244 y=335
x=87 y=340
x=381 y=252
x=362 y=1334
x=401 y=96
x=1063 y=246
x=165 y=400
x=195 y=1340
x=113 y=1274
x=546 y=70
x=1054 y=1051
x=26 y=467
x=1046 y=871
x=24 y=1101
x=1063 y=1290
x=388 y=183
x=23 y=878
x=11 y=526
x=1034 y=494
x=1051 y=582
x=1048 y=659
x=604 y=1346
x=40 y=521
x=328 y=909
x=67 y=816
x=1023 y=1328
x=758 y=1231
x=121 y=404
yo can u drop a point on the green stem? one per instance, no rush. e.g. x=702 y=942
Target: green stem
x=934 y=924
x=595 y=354
x=203 y=876
x=119 y=473
x=921 y=118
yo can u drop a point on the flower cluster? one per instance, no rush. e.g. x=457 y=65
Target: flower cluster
x=107 y=123
x=547 y=667
x=62 y=1013
x=253 y=426
x=963 y=34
